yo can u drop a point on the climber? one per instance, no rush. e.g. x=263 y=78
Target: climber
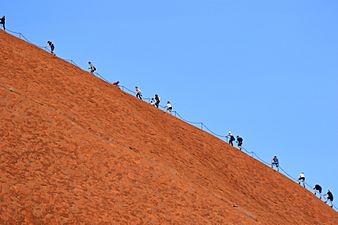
x=329 y=196
x=51 y=46
x=239 y=142
x=157 y=101
x=169 y=108
x=2 y=21
x=317 y=188
x=138 y=93
x=91 y=68
x=275 y=162
x=116 y=84
x=231 y=138
x=301 y=178
x=152 y=102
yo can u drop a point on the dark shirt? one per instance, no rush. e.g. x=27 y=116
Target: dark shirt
x=51 y=46
x=318 y=187
x=275 y=160
x=240 y=140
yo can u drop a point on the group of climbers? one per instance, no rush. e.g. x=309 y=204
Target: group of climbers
x=301 y=181
x=275 y=163
x=239 y=140
x=329 y=196
x=155 y=101
x=317 y=188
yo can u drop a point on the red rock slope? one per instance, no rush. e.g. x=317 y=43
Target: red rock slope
x=74 y=150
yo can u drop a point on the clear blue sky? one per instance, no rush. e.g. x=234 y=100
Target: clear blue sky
x=266 y=70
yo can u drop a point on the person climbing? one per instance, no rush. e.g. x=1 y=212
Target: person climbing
x=275 y=162
x=169 y=108
x=91 y=68
x=138 y=93
x=51 y=46
x=116 y=84
x=231 y=138
x=301 y=178
x=317 y=188
x=152 y=102
x=329 y=196
x=2 y=21
x=157 y=101
x=239 y=142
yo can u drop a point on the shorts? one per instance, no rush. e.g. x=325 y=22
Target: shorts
x=302 y=178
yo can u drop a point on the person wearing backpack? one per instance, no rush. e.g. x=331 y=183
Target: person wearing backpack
x=2 y=21
x=157 y=101
x=91 y=68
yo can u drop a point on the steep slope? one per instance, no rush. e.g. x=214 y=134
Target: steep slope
x=74 y=149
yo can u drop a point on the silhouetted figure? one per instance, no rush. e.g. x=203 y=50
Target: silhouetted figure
x=231 y=138
x=3 y=21
x=138 y=93
x=91 y=68
x=239 y=142
x=329 y=197
x=317 y=188
x=301 y=178
x=116 y=84
x=51 y=46
x=169 y=108
x=275 y=162
x=157 y=101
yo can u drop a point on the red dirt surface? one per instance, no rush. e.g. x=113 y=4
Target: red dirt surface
x=75 y=150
